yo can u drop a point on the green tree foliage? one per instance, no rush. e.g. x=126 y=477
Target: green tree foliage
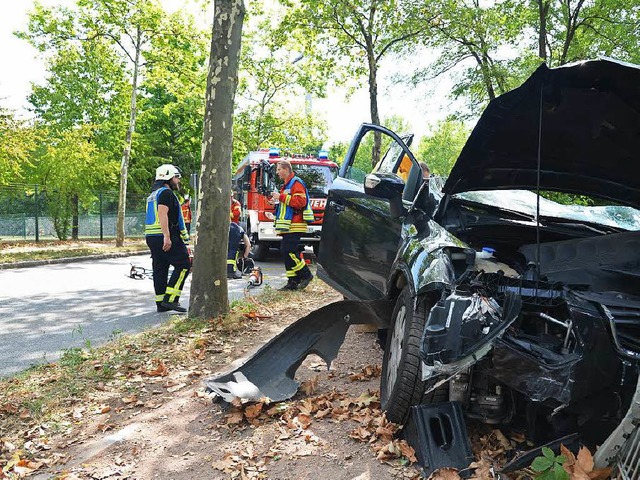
x=338 y=151
x=277 y=83
x=70 y=168
x=86 y=85
x=99 y=55
x=365 y=153
x=18 y=140
x=357 y=34
x=441 y=148
x=571 y=31
x=491 y=47
x=476 y=42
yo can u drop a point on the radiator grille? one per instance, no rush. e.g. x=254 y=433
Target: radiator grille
x=625 y=326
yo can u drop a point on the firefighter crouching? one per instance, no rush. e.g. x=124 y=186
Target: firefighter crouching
x=166 y=236
x=292 y=214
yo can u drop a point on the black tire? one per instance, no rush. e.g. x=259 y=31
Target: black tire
x=401 y=384
x=259 y=251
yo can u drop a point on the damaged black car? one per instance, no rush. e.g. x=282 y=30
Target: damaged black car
x=523 y=310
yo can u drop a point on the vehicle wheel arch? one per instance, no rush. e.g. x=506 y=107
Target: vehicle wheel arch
x=397 y=282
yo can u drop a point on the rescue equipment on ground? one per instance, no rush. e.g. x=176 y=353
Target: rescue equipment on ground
x=139 y=273
x=255 y=278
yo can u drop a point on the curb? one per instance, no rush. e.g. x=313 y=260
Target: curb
x=53 y=261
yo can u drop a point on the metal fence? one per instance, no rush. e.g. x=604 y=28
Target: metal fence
x=29 y=212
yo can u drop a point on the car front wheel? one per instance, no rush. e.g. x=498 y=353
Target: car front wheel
x=401 y=385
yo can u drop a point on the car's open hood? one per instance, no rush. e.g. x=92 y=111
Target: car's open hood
x=587 y=132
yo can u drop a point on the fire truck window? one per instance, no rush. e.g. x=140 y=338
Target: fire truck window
x=317 y=178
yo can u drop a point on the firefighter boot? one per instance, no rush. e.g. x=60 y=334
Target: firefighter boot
x=233 y=273
x=292 y=284
x=307 y=276
x=175 y=306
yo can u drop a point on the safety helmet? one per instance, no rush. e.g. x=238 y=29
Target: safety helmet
x=167 y=172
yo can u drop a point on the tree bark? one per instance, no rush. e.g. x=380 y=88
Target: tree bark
x=209 y=297
x=543 y=10
x=373 y=105
x=126 y=154
x=74 y=216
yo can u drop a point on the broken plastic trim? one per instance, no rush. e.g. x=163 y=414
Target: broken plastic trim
x=511 y=310
x=270 y=372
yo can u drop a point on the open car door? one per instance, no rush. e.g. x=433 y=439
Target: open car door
x=360 y=235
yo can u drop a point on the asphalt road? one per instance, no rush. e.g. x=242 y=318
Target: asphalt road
x=47 y=309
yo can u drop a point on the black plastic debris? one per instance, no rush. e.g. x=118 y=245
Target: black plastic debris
x=270 y=372
x=438 y=435
x=523 y=460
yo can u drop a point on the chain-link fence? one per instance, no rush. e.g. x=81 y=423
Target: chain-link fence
x=29 y=212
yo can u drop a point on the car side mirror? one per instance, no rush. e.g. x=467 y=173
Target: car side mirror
x=389 y=186
x=383 y=185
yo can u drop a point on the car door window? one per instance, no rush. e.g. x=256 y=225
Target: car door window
x=392 y=158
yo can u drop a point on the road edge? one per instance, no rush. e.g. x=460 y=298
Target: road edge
x=53 y=261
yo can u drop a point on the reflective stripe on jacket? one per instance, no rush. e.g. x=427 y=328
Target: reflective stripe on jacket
x=152 y=221
x=292 y=213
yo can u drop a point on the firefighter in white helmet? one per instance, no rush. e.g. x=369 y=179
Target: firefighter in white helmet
x=167 y=237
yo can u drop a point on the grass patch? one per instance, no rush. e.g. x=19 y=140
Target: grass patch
x=47 y=395
x=15 y=254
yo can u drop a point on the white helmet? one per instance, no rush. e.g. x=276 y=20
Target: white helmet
x=167 y=172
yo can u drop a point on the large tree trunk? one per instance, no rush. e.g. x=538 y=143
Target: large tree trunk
x=126 y=154
x=373 y=105
x=209 y=283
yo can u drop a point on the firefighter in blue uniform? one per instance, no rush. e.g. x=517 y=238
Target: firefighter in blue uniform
x=166 y=237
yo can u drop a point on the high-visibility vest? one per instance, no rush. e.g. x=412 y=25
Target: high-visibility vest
x=152 y=221
x=285 y=215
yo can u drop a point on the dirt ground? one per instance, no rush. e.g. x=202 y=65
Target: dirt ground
x=170 y=429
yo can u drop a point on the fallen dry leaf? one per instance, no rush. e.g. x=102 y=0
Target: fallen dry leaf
x=175 y=388
x=8 y=408
x=482 y=470
x=159 y=371
x=131 y=399
x=445 y=474
x=310 y=386
x=234 y=417
x=253 y=411
x=304 y=420
x=255 y=315
x=407 y=451
x=585 y=459
x=504 y=441
x=25 y=467
x=361 y=434
x=581 y=467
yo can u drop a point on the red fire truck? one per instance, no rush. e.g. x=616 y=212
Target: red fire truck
x=254 y=181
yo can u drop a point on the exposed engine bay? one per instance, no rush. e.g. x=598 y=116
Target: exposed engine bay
x=539 y=349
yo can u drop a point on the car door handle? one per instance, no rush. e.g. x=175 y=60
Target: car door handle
x=337 y=207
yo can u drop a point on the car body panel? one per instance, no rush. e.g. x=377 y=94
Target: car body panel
x=362 y=234
x=580 y=124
